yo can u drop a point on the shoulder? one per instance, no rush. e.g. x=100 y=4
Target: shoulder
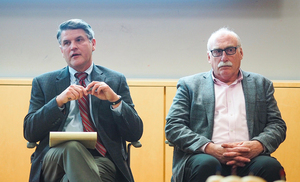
x=109 y=76
x=194 y=84
x=255 y=77
x=106 y=71
x=195 y=79
x=52 y=74
x=49 y=78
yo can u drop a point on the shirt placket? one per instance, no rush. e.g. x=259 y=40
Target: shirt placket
x=231 y=114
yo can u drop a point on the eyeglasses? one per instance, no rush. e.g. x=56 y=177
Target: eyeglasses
x=228 y=50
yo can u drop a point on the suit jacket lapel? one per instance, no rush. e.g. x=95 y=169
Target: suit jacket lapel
x=208 y=97
x=249 y=88
x=63 y=82
x=96 y=75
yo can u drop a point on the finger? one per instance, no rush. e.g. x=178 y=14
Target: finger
x=240 y=164
x=231 y=163
x=230 y=154
x=238 y=149
x=235 y=163
x=78 y=93
x=231 y=145
x=93 y=90
x=69 y=94
x=242 y=149
x=242 y=159
x=90 y=87
x=95 y=87
x=83 y=92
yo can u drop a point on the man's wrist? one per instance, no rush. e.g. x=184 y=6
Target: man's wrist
x=59 y=102
x=264 y=150
x=203 y=147
x=117 y=101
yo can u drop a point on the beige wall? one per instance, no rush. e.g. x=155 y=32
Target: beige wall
x=14 y=156
x=153 y=39
x=153 y=98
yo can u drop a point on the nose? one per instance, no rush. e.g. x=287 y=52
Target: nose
x=73 y=45
x=224 y=56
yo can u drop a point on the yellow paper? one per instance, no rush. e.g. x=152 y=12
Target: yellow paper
x=88 y=139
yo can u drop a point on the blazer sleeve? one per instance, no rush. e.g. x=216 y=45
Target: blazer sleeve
x=186 y=121
x=129 y=123
x=269 y=128
x=44 y=114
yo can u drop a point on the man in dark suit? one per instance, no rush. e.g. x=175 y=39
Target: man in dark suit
x=54 y=106
x=226 y=120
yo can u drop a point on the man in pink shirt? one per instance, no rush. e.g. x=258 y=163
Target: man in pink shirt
x=226 y=120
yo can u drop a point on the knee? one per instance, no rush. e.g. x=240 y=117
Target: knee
x=204 y=163
x=268 y=168
x=267 y=163
x=200 y=166
x=72 y=146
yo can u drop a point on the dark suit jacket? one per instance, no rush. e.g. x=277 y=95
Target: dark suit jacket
x=191 y=117
x=44 y=116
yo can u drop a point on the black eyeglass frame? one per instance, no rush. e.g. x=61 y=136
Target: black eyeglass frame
x=222 y=50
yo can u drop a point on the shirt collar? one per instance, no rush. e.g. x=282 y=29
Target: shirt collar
x=73 y=71
x=219 y=82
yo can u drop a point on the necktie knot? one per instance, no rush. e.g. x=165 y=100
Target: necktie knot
x=81 y=76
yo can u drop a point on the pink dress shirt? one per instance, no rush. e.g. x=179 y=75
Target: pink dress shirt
x=230 y=123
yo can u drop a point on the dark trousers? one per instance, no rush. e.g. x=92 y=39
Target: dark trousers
x=71 y=161
x=200 y=166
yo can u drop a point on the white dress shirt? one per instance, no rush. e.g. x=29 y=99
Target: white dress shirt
x=74 y=122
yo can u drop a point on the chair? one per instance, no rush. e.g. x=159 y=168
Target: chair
x=137 y=144
x=169 y=143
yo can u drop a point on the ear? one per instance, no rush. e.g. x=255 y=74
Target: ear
x=208 y=57
x=241 y=53
x=93 y=44
x=61 y=50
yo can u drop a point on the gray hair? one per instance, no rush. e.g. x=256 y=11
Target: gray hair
x=224 y=30
x=75 y=24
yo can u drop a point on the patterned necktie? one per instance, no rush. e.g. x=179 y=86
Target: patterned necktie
x=85 y=114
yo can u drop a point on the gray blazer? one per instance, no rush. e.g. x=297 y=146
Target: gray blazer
x=191 y=117
x=44 y=116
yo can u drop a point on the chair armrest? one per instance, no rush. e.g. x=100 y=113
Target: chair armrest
x=137 y=144
x=169 y=143
x=31 y=145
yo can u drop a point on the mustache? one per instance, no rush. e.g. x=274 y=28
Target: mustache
x=227 y=63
